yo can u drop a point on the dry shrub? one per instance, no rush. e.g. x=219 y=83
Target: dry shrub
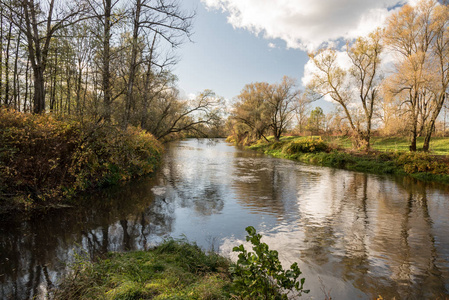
x=43 y=158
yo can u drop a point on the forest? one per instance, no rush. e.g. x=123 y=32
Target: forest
x=100 y=60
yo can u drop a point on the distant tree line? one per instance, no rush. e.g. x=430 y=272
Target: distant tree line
x=105 y=60
x=402 y=97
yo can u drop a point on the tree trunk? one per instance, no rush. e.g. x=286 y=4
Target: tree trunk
x=27 y=72
x=412 y=146
x=53 y=80
x=1 y=52
x=39 y=90
x=69 y=91
x=133 y=64
x=78 y=91
x=426 y=145
x=107 y=98
x=8 y=45
x=146 y=95
x=16 y=96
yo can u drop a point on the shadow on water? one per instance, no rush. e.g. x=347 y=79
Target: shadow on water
x=358 y=235
x=35 y=252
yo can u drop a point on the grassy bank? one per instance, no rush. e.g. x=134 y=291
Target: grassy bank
x=316 y=151
x=174 y=270
x=177 y=269
x=45 y=161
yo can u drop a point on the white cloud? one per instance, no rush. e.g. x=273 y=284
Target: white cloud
x=271 y=45
x=191 y=96
x=306 y=24
x=342 y=60
x=310 y=69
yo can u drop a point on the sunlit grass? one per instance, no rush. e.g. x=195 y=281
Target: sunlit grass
x=438 y=145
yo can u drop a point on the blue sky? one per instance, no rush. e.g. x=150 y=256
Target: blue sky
x=224 y=59
x=236 y=42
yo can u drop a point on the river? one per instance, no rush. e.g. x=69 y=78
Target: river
x=354 y=235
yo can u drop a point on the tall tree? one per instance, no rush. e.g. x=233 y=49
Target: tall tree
x=316 y=120
x=302 y=110
x=161 y=18
x=419 y=36
x=250 y=110
x=344 y=86
x=41 y=21
x=365 y=58
x=281 y=103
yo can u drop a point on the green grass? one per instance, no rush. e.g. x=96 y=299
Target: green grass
x=173 y=270
x=438 y=145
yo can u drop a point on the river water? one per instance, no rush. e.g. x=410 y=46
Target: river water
x=354 y=235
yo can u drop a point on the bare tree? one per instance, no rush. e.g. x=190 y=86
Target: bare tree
x=419 y=36
x=302 y=110
x=360 y=81
x=282 y=100
x=176 y=116
x=41 y=20
x=161 y=18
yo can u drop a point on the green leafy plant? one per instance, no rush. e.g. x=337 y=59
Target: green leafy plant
x=260 y=275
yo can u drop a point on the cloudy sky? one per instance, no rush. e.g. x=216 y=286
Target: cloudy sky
x=236 y=42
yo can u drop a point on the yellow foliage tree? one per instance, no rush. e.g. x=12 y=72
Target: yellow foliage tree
x=419 y=35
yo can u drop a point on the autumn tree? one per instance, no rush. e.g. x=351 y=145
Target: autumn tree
x=360 y=82
x=250 y=111
x=419 y=37
x=281 y=102
x=262 y=108
x=172 y=115
x=302 y=111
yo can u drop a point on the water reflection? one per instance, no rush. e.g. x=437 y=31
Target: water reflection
x=361 y=235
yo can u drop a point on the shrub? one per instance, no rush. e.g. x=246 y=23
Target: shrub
x=107 y=155
x=259 y=274
x=308 y=145
x=419 y=162
x=43 y=158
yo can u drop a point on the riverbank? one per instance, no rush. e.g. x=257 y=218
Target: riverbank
x=173 y=270
x=45 y=161
x=314 y=150
x=177 y=269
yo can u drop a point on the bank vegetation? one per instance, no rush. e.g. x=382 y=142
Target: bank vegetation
x=45 y=161
x=331 y=153
x=177 y=269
